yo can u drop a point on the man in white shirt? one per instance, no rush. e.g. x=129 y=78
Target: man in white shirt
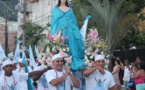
x=41 y=79
x=97 y=78
x=9 y=80
x=21 y=69
x=58 y=78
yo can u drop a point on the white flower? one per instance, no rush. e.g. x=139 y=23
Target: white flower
x=48 y=50
x=96 y=50
x=67 y=49
x=91 y=57
x=87 y=61
x=89 y=64
x=63 y=49
x=86 y=57
x=66 y=64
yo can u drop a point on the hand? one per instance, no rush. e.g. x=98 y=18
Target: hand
x=67 y=70
x=101 y=70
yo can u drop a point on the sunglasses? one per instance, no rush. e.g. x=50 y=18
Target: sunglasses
x=59 y=61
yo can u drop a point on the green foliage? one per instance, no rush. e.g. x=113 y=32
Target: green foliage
x=134 y=38
x=33 y=33
x=135 y=5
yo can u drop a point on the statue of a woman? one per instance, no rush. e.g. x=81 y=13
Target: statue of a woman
x=63 y=19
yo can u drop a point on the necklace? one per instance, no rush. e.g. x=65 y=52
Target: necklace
x=12 y=87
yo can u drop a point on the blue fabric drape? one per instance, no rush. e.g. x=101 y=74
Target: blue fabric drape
x=66 y=23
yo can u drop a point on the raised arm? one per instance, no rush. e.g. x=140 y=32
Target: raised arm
x=89 y=71
x=75 y=82
x=59 y=80
x=37 y=73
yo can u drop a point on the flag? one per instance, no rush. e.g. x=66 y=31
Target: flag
x=36 y=51
x=17 y=51
x=32 y=60
x=2 y=54
x=84 y=27
x=29 y=81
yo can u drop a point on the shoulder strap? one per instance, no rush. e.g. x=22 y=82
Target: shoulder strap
x=57 y=77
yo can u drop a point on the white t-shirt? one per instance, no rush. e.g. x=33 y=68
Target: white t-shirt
x=12 y=82
x=23 y=84
x=41 y=82
x=52 y=74
x=97 y=81
x=127 y=74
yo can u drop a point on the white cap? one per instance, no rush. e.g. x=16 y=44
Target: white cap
x=99 y=57
x=7 y=62
x=20 y=60
x=56 y=56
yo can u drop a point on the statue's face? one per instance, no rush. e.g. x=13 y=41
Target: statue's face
x=63 y=1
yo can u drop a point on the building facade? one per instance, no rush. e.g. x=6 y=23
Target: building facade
x=37 y=11
x=12 y=34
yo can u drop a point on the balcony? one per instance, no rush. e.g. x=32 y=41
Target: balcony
x=32 y=1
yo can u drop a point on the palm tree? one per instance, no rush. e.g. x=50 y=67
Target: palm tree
x=110 y=17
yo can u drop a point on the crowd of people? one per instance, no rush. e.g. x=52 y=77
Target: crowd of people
x=134 y=74
x=15 y=76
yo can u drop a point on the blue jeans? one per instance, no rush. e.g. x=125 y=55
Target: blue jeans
x=125 y=85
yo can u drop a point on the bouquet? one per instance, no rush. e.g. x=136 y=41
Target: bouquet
x=94 y=46
x=56 y=44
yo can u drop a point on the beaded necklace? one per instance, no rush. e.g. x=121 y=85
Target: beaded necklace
x=12 y=87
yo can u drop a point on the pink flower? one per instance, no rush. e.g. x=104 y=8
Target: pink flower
x=47 y=60
x=63 y=54
x=52 y=52
x=94 y=40
x=88 y=53
x=93 y=63
x=68 y=60
x=61 y=39
x=49 y=37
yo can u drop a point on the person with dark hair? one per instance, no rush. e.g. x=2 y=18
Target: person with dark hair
x=139 y=76
x=10 y=80
x=138 y=59
x=59 y=78
x=63 y=21
x=97 y=78
x=115 y=74
x=134 y=69
x=127 y=74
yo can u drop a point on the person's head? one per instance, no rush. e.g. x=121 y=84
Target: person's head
x=135 y=67
x=138 y=59
x=117 y=62
x=7 y=67
x=126 y=62
x=57 y=62
x=14 y=65
x=141 y=65
x=100 y=61
x=20 y=63
x=63 y=2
